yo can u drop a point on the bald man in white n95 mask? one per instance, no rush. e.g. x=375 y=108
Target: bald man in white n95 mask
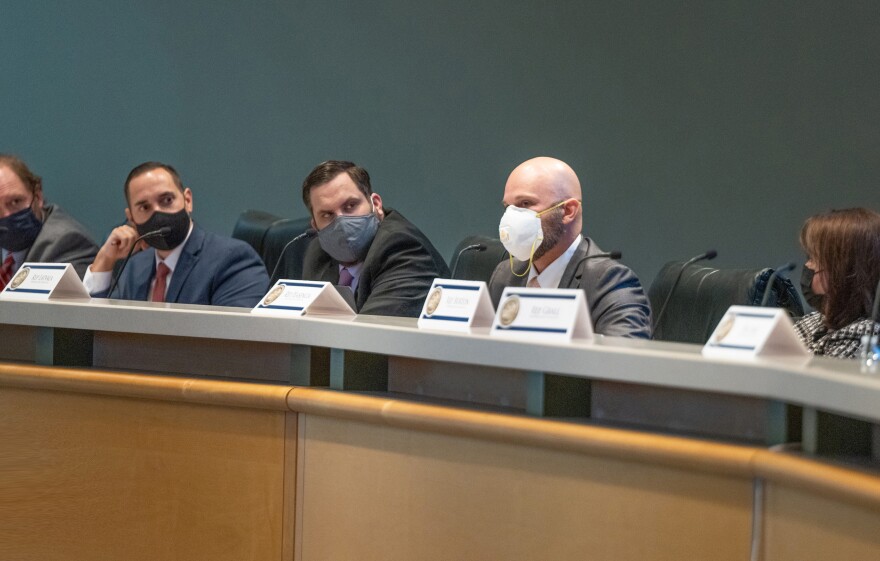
x=541 y=229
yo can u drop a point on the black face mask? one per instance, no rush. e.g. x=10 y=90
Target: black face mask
x=19 y=230
x=178 y=222
x=813 y=299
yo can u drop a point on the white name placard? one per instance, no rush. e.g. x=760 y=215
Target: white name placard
x=42 y=281
x=546 y=314
x=298 y=298
x=456 y=305
x=751 y=331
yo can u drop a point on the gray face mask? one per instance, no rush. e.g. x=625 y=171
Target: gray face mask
x=347 y=239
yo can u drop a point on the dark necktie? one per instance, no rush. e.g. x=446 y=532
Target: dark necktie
x=6 y=271
x=159 y=288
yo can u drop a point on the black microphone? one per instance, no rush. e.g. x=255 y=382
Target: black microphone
x=477 y=246
x=307 y=234
x=709 y=255
x=782 y=269
x=160 y=233
x=611 y=255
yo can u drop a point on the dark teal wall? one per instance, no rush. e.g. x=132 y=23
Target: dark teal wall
x=691 y=124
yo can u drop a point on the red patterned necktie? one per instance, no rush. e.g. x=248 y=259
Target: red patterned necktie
x=533 y=283
x=159 y=288
x=6 y=271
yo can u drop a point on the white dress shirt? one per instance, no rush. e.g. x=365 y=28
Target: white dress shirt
x=552 y=274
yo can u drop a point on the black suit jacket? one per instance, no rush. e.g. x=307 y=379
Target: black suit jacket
x=618 y=304
x=396 y=274
x=62 y=240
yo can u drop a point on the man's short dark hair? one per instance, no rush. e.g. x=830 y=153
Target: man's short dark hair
x=31 y=180
x=327 y=171
x=147 y=167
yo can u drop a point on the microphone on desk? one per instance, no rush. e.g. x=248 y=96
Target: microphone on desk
x=708 y=256
x=160 y=233
x=474 y=246
x=781 y=269
x=307 y=234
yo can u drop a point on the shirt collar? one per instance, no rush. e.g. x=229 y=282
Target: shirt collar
x=18 y=256
x=552 y=274
x=174 y=256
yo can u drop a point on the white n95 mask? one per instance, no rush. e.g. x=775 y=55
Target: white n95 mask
x=520 y=232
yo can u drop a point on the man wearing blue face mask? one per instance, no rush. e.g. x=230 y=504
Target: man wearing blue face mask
x=385 y=261
x=34 y=232
x=186 y=264
x=541 y=229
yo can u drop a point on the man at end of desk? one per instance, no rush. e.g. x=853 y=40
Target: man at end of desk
x=32 y=231
x=187 y=265
x=386 y=261
x=541 y=229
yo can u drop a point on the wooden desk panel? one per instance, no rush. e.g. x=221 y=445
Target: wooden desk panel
x=91 y=477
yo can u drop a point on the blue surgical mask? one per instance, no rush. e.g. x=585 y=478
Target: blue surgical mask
x=347 y=239
x=19 y=230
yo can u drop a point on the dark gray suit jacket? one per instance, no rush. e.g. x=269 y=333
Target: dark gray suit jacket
x=618 y=304
x=62 y=240
x=396 y=274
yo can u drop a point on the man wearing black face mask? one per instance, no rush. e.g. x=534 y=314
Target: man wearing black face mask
x=34 y=232
x=385 y=261
x=187 y=265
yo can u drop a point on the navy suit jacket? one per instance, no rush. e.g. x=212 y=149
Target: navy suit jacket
x=212 y=270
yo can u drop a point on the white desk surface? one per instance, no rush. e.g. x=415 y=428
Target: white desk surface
x=828 y=384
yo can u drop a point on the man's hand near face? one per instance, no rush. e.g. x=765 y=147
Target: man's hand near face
x=116 y=247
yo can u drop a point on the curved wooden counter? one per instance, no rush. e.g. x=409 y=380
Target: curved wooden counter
x=120 y=465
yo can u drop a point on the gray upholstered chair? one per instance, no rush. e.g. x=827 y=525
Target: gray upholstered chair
x=704 y=294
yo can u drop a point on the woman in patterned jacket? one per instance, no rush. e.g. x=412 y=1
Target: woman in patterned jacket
x=839 y=280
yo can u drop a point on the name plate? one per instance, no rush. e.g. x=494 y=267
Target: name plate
x=298 y=298
x=751 y=331
x=42 y=281
x=456 y=305
x=545 y=314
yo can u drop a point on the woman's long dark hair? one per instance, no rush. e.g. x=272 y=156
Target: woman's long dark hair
x=845 y=246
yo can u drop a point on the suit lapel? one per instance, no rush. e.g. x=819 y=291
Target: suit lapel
x=330 y=272
x=571 y=277
x=139 y=275
x=189 y=257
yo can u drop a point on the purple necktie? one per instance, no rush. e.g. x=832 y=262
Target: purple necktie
x=345 y=278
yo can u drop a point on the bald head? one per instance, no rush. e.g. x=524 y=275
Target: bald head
x=542 y=182
x=544 y=177
x=539 y=184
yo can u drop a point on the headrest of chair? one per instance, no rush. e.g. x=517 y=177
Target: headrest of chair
x=474 y=264
x=251 y=227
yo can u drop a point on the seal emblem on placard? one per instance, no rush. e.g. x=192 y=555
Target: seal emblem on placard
x=724 y=328
x=19 y=278
x=273 y=295
x=434 y=299
x=509 y=311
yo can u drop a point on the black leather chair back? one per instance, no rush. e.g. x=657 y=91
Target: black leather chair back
x=704 y=294
x=277 y=237
x=477 y=265
x=252 y=226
